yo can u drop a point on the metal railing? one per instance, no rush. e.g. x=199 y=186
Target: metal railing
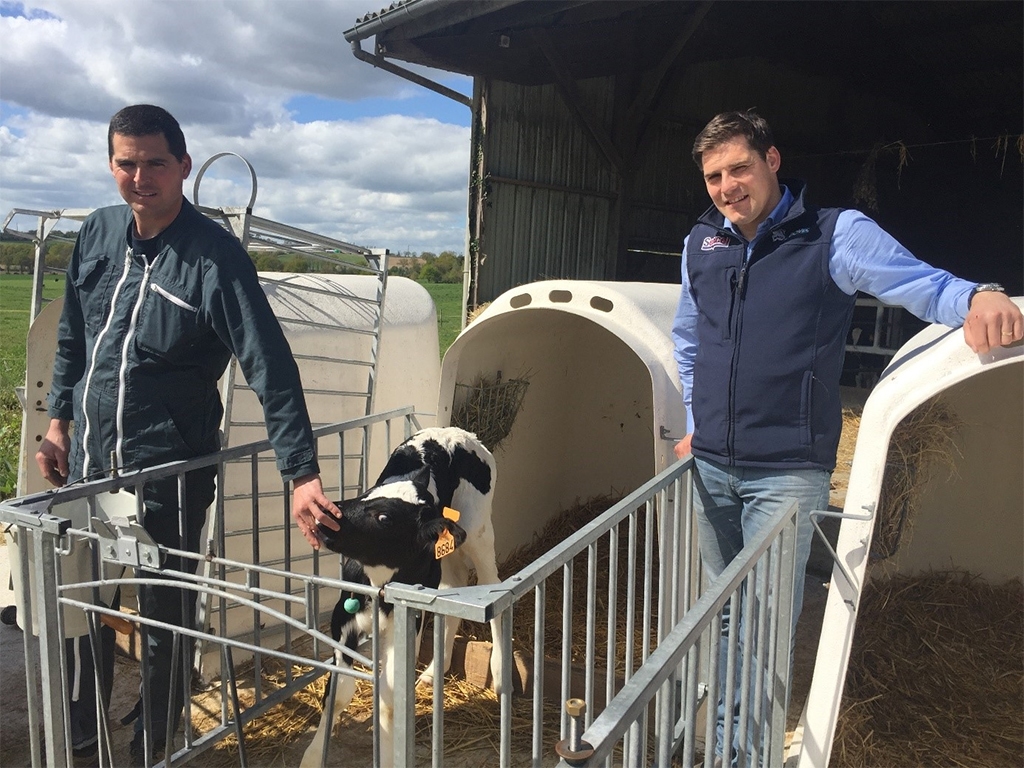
x=611 y=639
x=670 y=677
x=647 y=640
x=285 y=593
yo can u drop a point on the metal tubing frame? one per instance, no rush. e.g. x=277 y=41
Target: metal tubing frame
x=46 y=536
x=631 y=700
x=665 y=668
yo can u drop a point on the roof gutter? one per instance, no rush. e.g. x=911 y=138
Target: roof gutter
x=402 y=13
x=387 y=66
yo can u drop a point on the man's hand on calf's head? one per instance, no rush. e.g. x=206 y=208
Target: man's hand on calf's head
x=310 y=507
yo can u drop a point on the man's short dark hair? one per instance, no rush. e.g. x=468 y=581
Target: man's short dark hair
x=147 y=120
x=727 y=126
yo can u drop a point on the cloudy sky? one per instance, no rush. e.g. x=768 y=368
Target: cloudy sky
x=339 y=147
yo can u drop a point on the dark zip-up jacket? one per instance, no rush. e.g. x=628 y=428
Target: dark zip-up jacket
x=143 y=342
x=772 y=331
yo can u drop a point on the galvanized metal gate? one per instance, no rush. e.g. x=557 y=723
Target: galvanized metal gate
x=638 y=619
x=58 y=588
x=636 y=641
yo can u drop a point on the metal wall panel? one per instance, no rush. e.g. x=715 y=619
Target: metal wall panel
x=666 y=196
x=550 y=192
x=537 y=234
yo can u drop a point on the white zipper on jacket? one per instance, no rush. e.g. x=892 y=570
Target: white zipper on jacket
x=172 y=298
x=92 y=363
x=122 y=373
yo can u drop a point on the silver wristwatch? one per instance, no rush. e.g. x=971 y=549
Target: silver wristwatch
x=981 y=287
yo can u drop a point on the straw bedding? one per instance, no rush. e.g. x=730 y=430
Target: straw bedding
x=489 y=407
x=936 y=677
x=471 y=714
x=924 y=443
x=280 y=737
x=557 y=530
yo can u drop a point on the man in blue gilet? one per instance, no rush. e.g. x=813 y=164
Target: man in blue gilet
x=769 y=283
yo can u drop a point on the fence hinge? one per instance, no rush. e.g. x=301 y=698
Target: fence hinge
x=125 y=542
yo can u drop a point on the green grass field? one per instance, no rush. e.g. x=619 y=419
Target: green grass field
x=15 y=301
x=448 y=300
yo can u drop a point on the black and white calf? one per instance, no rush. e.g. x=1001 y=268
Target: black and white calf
x=389 y=534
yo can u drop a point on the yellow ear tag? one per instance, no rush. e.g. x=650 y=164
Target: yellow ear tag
x=445 y=541
x=451 y=514
x=445 y=544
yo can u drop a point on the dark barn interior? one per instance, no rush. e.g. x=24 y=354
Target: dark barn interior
x=586 y=112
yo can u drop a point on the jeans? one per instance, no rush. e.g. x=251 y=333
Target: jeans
x=731 y=505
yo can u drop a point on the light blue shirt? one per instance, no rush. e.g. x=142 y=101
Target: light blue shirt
x=862 y=257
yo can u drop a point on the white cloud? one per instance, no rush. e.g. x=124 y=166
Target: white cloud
x=227 y=70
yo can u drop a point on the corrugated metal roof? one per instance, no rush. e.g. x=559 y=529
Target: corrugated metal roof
x=420 y=17
x=936 y=74
x=370 y=15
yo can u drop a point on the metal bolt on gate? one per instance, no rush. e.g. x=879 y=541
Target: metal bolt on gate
x=575 y=750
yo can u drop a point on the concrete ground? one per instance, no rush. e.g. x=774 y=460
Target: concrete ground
x=15 y=744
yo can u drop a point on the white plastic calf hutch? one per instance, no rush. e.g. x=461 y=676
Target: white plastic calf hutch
x=348 y=370
x=335 y=365
x=972 y=520
x=602 y=409
x=329 y=322
x=357 y=351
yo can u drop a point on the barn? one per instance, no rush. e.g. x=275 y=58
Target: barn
x=584 y=113
x=583 y=117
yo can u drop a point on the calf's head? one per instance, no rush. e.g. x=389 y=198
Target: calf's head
x=391 y=524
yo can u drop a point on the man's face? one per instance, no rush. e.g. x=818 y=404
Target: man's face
x=742 y=184
x=149 y=179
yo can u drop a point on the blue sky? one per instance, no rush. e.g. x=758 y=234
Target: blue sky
x=339 y=147
x=307 y=109
x=19 y=9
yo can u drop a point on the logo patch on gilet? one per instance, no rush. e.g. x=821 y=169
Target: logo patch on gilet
x=717 y=241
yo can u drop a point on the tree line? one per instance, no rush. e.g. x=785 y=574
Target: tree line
x=16 y=257
x=427 y=267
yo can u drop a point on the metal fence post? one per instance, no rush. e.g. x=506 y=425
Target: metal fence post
x=51 y=647
x=404 y=685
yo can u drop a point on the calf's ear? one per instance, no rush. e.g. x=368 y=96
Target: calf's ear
x=438 y=528
x=422 y=478
x=457 y=531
